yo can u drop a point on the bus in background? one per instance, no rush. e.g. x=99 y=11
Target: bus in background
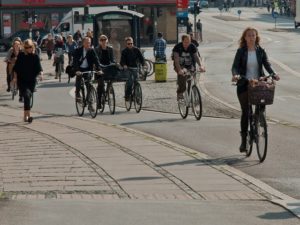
x=74 y=20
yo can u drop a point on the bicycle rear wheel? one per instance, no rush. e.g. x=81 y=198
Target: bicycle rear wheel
x=80 y=99
x=111 y=99
x=196 y=103
x=101 y=101
x=92 y=101
x=261 y=136
x=150 y=67
x=182 y=106
x=138 y=97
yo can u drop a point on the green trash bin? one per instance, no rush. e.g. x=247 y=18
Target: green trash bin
x=161 y=71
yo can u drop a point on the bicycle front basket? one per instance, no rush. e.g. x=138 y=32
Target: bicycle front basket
x=261 y=93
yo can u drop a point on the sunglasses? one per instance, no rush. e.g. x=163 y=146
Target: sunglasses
x=103 y=39
x=129 y=43
x=28 y=47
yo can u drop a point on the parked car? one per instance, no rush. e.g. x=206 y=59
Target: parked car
x=5 y=43
x=203 y=4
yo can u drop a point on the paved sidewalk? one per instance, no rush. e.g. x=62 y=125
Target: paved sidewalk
x=63 y=157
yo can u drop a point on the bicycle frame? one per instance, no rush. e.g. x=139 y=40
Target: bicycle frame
x=190 y=82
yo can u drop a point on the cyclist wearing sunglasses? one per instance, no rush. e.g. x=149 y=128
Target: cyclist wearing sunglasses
x=106 y=56
x=130 y=58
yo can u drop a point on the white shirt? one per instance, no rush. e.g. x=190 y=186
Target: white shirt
x=252 y=66
x=84 y=64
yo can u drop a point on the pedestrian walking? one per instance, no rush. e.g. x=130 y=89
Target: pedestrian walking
x=130 y=57
x=248 y=63
x=159 y=49
x=27 y=68
x=185 y=57
x=37 y=38
x=77 y=37
x=49 y=46
x=71 y=45
x=193 y=40
x=199 y=30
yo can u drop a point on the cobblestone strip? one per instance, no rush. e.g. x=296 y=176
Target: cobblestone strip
x=175 y=180
x=36 y=164
x=110 y=181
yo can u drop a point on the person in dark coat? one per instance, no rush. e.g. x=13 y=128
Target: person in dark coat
x=106 y=56
x=130 y=57
x=84 y=59
x=27 y=68
x=248 y=63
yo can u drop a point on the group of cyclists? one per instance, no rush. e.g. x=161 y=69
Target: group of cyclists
x=248 y=63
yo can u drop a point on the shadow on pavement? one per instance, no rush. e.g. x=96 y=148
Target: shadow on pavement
x=139 y=178
x=277 y=215
x=235 y=160
x=55 y=85
x=151 y=121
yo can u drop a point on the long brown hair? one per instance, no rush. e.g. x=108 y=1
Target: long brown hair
x=242 y=40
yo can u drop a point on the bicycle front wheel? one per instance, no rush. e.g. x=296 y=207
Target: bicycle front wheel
x=129 y=102
x=92 y=101
x=138 y=97
x=111 y=99
x=261 y=137
x=196 y=103
x=80 y=100
x=183 y=108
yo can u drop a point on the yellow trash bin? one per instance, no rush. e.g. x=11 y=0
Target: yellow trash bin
x=161 y=71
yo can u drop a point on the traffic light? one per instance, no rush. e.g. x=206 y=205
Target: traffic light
x=76 y=16
x=86 y=10
x=196 y=8
x=34 y=18
x=25 y=16
x=159 y=12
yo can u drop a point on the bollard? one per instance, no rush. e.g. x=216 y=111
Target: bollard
x=161 y=71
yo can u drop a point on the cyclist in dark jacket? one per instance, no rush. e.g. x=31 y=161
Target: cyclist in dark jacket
x=106 y=56
x=130 y=57
x=248 y=63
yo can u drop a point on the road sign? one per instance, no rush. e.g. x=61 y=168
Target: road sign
x=239 y=12
x=182 y=14
x=182 y=4
x=275 y=15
